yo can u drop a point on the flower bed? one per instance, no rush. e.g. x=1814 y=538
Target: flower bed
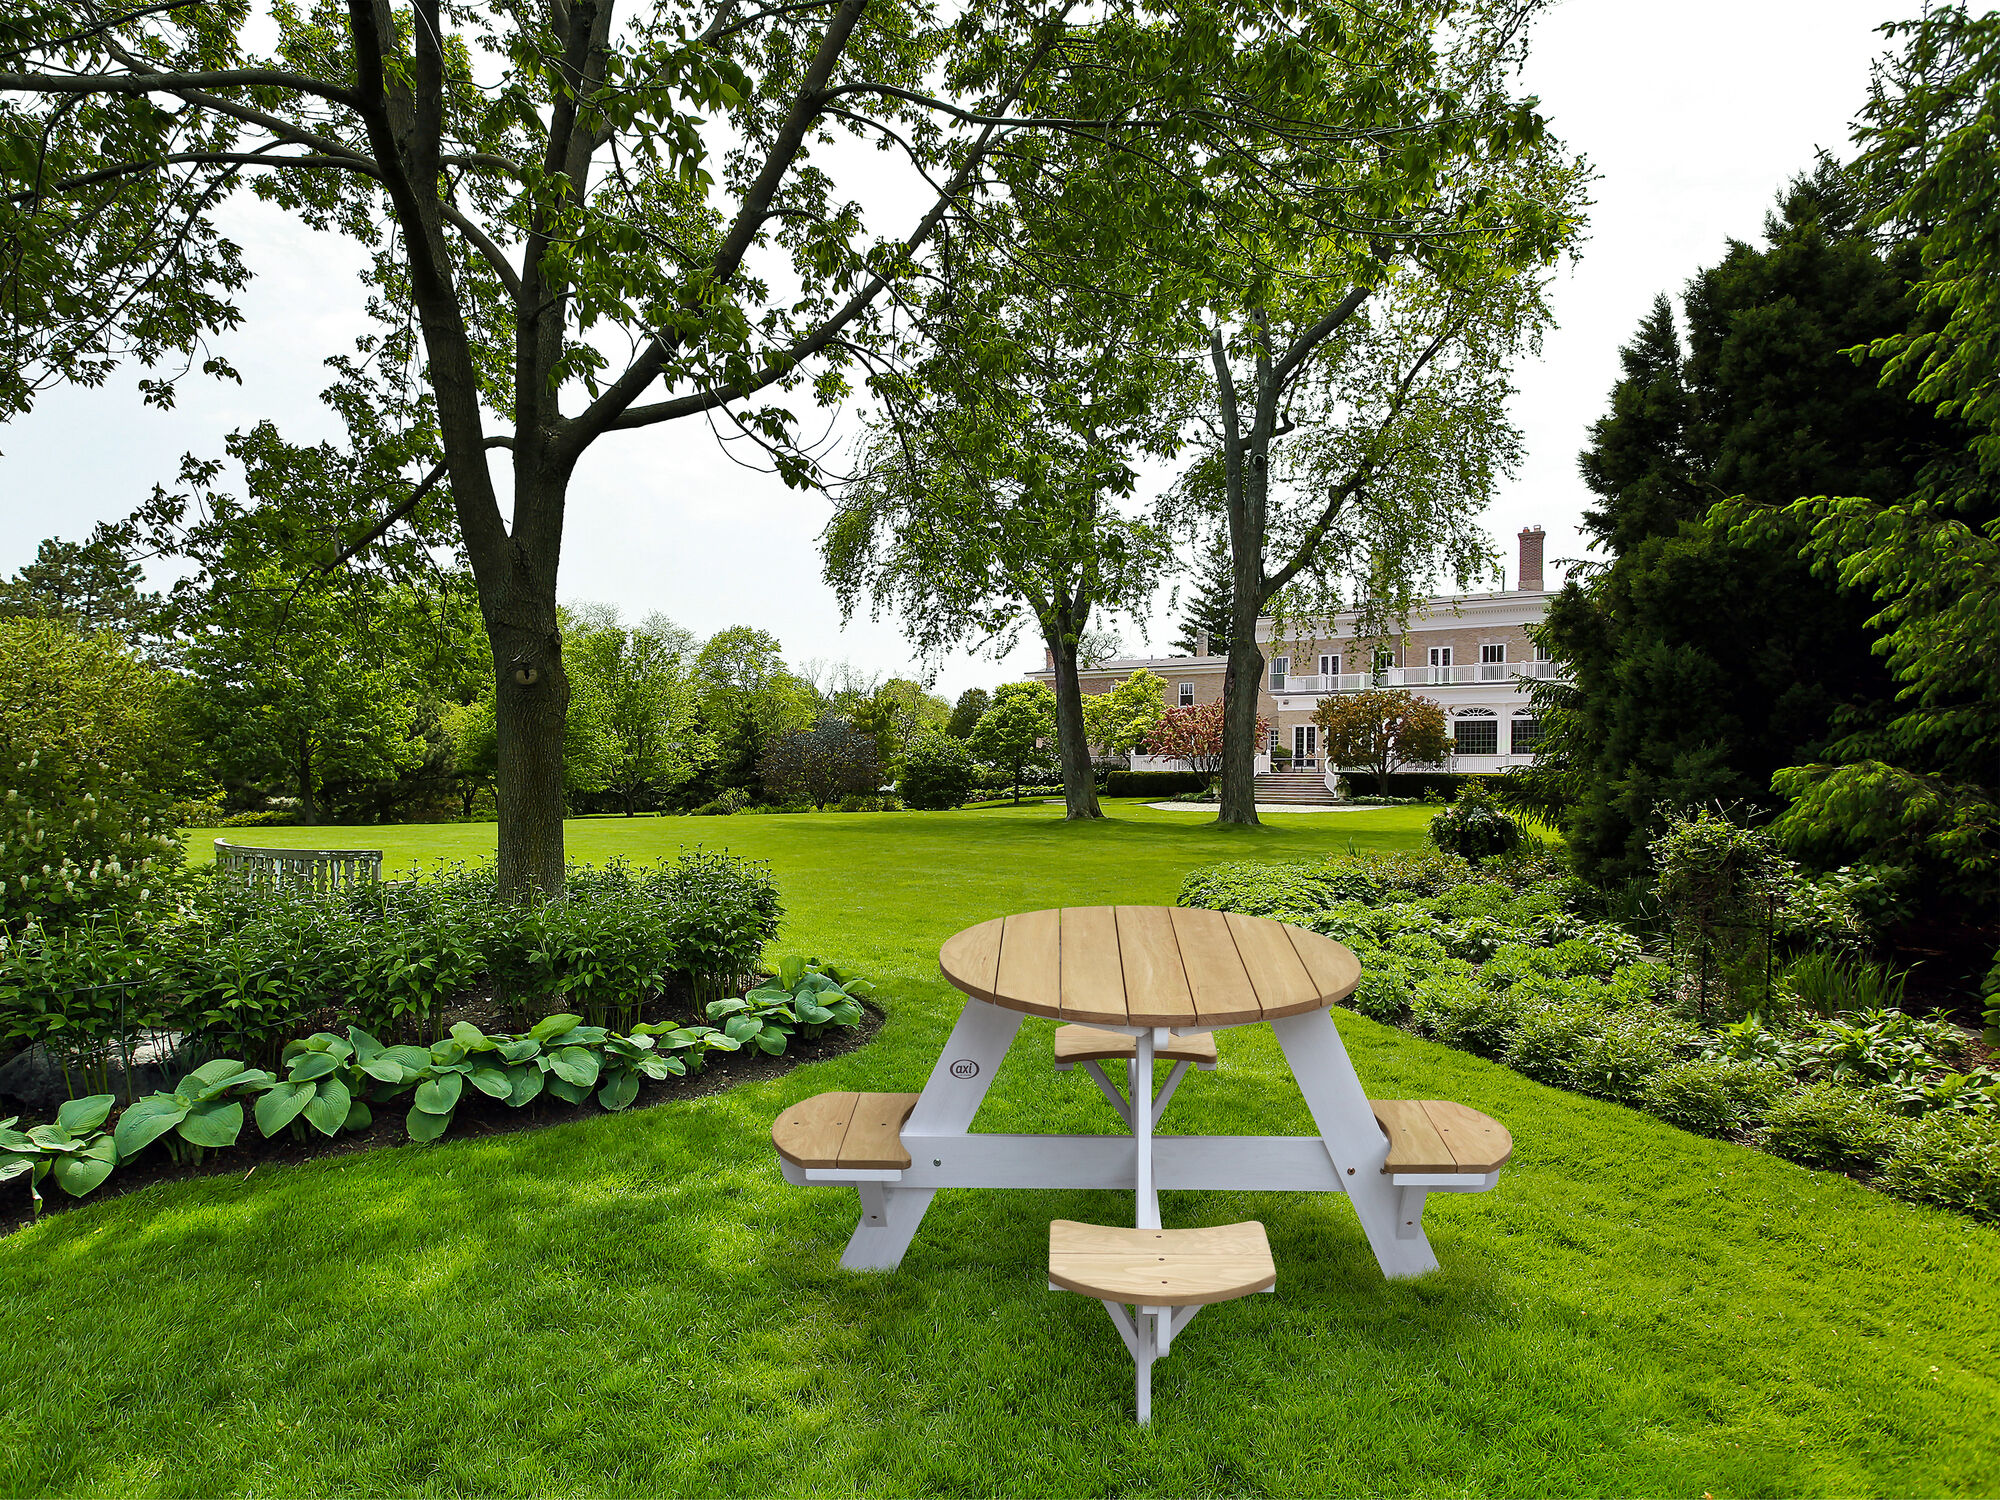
x=314 y=1008
x=326 y=1084
x=1506 y=962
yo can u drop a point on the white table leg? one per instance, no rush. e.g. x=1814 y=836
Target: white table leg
x=951 y=1097
x=1339 y=1106
x=1148 y=1214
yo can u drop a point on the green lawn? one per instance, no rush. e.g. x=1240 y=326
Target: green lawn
x=639 y=1304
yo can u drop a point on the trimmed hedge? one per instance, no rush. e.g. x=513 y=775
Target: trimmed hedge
x=1153 y=783
x=1425 y=786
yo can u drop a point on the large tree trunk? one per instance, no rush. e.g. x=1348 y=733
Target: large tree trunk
x=1072 y=742
x=1241 y=680
x=530 y=712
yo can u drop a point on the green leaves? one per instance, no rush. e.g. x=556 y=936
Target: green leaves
x=574 y=1065
x=147 y=1119
x=325 y=1073
x=81 y=1116
x=212 y=1124
x=281 y=1104
x=439 y=1095
x=551 y=1027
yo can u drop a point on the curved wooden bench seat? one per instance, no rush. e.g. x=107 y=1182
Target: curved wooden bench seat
x=849 y=1131
x=1438 y=1137
x=1161 y=1267
x=1076 y=1044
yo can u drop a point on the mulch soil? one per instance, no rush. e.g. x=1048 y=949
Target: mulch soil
x=476 y=1115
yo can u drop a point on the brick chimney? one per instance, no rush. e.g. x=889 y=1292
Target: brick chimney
x=1049 y=655
x=1531 y=559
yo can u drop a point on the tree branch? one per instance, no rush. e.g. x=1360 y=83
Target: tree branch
x=401 y=510
x=1303 y=346
x=173 y=83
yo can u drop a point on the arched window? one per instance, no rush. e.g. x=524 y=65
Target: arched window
x=1476 y=731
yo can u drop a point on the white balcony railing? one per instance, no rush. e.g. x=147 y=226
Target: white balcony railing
x=1411 y=677
x=1338 y=682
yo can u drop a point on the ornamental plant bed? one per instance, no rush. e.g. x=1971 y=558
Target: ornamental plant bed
x=476 y=1116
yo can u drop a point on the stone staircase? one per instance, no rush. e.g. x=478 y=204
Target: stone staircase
x=1298 y=787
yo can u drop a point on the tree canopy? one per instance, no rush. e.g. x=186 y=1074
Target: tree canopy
x=579 y=219
x=1700 y=661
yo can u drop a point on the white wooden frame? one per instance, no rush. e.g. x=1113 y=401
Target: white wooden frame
x=1348 y=1155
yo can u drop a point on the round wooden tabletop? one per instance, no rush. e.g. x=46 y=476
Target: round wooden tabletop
x=1149 y=966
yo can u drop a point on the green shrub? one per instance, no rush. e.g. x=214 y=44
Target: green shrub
x=92 y=753
x=721 y=911
x=1476 y=939
x=1828 y=983
x=1384 y=992
x=1549 y=1037
x=1713 y=1095
x=1828 y=1125
x=269 y=817
x=1459 y=1011
x=1379 y=872
x=937 y=773
x=1883 y=1046
x=861 y=802
x=1290 y=893
x=1626 y=1051
x=1158 y=785
x=1473 y=828
x=1949 y=1160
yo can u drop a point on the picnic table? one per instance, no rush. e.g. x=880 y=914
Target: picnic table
x=1142 y=983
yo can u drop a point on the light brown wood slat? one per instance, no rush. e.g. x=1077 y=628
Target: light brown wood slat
x=1075 y=1044
x=809 y=1134
x=1221 y=990
x=1161 y=1267
x=1156 y=984
x=1283 y=986
x=1478 y=1143
x=875 y=1135
x=1029 y=977
x=1414 y=1143
x=971 y=959
x=1334 y=969
x=1093 y=982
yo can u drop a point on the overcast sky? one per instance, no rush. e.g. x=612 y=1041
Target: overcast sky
x=1694 y=116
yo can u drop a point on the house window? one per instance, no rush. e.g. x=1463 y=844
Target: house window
x=1187 y=695
x=1527 y=733
x=1440 y=656
x=1493 y=653
x=1272 y=748
x=1541 y=652
x=1476 y=736
x=1281 y=667
x=1329 y=666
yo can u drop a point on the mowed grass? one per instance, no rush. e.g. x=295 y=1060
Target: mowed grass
x=640 y=1304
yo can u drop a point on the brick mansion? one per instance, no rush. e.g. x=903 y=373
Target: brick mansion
x=1470 y=652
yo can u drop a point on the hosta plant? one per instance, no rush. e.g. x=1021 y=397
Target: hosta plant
x=805 y=995
x=75 y=1150
x=322 y=1078
x=198 y=1116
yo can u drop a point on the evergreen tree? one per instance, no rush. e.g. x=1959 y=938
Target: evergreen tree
x=1701 y=662
x=92 y=584
x=1208 y=611
x=970 y=708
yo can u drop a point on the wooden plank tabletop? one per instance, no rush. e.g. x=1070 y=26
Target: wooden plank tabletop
x=1149 y=966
